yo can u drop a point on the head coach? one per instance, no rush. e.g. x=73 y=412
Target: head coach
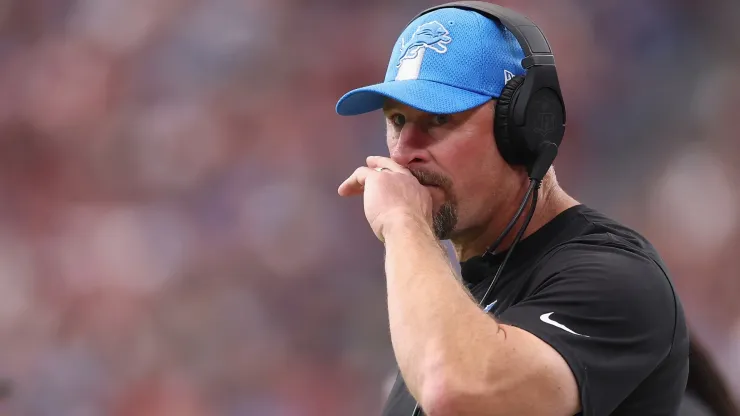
x=559 y=310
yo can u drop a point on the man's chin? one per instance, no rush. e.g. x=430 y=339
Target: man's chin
x=445 y=219
x=444 y=234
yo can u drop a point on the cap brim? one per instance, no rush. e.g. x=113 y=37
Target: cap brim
x=423 y=95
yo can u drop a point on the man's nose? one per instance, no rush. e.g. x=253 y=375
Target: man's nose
x=411 y=146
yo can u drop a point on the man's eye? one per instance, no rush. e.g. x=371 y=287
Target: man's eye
x=398 y=120
x=440 y=119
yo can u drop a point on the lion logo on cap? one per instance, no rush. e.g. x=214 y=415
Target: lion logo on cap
x=430 y=35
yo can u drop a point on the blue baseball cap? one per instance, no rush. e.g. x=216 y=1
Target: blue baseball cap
x=444 y=62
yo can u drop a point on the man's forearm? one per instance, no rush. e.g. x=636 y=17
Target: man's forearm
x=430 y=314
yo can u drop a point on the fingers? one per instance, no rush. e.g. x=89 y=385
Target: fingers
x=355 y=184
x=384 y=162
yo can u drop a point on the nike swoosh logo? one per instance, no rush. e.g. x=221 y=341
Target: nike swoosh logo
x=545 y=317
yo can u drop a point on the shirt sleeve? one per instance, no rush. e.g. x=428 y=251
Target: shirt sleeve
x=608 y=311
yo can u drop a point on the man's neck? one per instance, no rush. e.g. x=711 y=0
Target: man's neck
x=551 y=202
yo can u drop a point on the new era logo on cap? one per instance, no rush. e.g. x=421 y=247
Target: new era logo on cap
x=507 y=76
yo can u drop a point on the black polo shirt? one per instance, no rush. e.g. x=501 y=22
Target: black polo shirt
x=599 y=294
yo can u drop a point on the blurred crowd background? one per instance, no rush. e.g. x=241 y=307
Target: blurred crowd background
x=171 y=239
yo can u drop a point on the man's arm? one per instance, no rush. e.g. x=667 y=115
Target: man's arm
x=456 y=359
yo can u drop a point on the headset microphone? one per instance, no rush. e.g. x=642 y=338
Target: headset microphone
x=540 y=167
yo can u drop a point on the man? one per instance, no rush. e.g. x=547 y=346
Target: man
x=583 y=318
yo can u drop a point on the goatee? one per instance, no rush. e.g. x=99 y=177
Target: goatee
x=444 y=219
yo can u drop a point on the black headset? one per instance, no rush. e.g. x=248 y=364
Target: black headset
x=529 y=121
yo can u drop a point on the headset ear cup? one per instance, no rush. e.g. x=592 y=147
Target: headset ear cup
x=506 y=141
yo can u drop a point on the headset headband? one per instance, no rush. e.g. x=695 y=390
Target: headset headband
x=537 y=50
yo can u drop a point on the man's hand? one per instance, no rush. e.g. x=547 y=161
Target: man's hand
x=391 y=193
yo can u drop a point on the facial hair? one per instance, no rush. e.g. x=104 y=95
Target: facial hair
x=444 y=219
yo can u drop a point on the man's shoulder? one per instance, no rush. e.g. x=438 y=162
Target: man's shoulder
x=609 y=261
x=616 y=265
x=607 y=256
x=601 y=224
x=610 y=265
x=607 y=241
